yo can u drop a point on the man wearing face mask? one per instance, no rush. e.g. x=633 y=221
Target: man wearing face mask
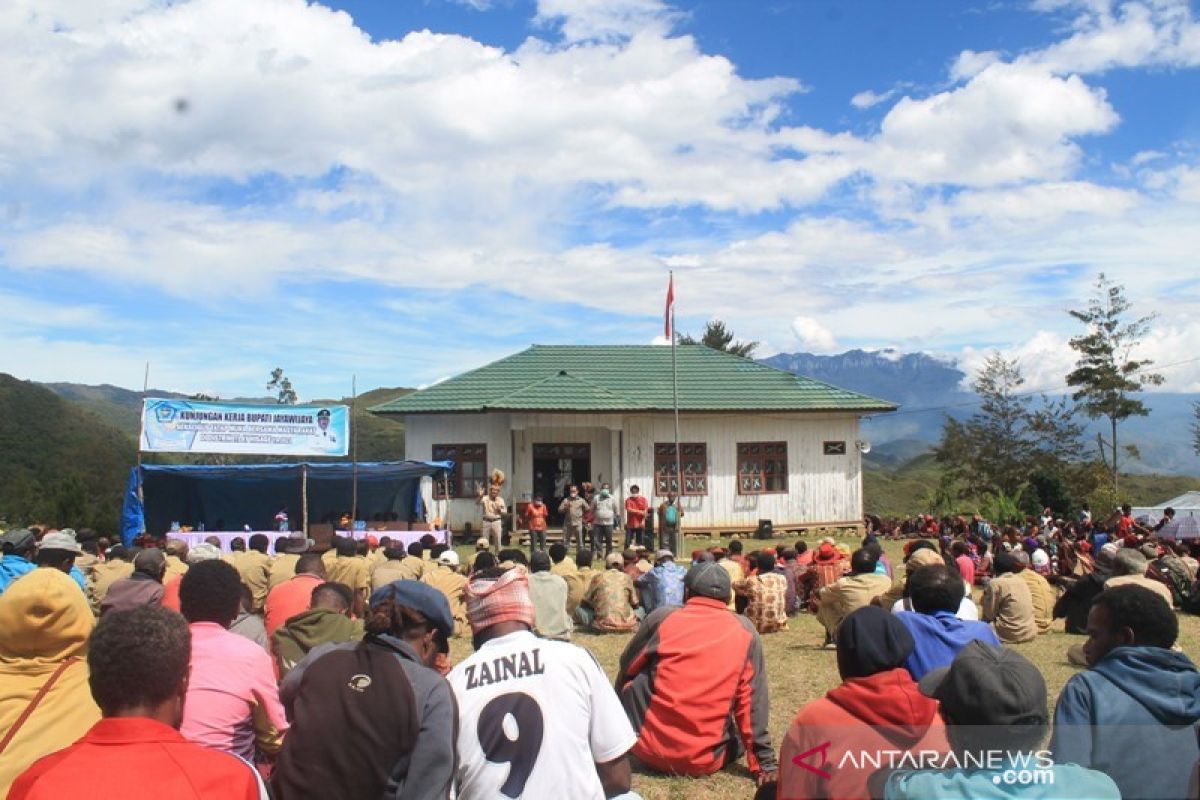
x=572 y=508
x=608 y=514
x=372 y=698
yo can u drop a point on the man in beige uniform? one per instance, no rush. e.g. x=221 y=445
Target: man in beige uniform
x=119 y=565
x=1007 y=603
x=445 y=577
x=493 y=508
x=850 y=593
x=254 y=568
x=348 y=569
x=176 y=551
x=288 y=550
x=580 y=581
x=1040 y=591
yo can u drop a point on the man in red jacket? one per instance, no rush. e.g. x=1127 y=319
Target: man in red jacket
x=694 y=684
x=877 y=708
x=139 y=677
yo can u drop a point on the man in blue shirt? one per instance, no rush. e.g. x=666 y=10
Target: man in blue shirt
x=1133 y=713
x=993 y=702
x=19 y=546
x=936 y=592
x=662 y=585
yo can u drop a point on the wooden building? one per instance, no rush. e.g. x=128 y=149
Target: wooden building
x=756 y=442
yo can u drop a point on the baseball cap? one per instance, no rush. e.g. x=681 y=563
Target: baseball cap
x=482 y=543
x=448 y=558
x=203 y=551
x=60 y=540
x=297 y=542
x=988 y=685
x=708 y=579
x=19 y=539
x=614 y=559
x=664 y=553
x=424 y=599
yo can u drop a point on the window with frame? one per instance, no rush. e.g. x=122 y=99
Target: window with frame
x=469 y=475
x=762 y=467
x=693 y=457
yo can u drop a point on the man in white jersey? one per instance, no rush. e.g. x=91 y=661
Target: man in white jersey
x=537 y=718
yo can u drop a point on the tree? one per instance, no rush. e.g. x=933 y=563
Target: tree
x=282 y=384
x=1106 y=375
x=993 y=450
x=718 y=337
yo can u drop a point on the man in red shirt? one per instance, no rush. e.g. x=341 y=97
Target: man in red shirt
x=294 y=595
x=139 y=677
x=636 y=508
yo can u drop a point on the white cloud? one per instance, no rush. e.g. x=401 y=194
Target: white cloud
x=812 y=336
x=1161 y=33
x=868 y=98
x=583 y=20
x=1045 y=202
x=970 y=63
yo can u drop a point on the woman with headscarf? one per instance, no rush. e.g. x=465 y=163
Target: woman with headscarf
x=45 y=702
x=877 y=707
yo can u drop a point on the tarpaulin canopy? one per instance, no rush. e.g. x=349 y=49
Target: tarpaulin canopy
x=230 y=497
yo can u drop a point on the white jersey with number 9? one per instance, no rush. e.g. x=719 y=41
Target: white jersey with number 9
x=534 y=716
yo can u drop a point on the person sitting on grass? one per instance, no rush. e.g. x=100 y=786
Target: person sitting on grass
x=326 y=620
x=1041 y=592
x=1129 y=569
x=1007 y=603
x=846 y=595
x=938 y=633
x=993 y=701
x=1133 y=713
x=663 y=585
x=138 y=673
x=608 y=606
x=765 y=591
x=693 y=682
x=549 y=594
x=877 y=707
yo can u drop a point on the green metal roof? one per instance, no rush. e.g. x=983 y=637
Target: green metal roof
x=628 y=378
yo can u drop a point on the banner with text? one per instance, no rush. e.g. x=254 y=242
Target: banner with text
x=193 y=426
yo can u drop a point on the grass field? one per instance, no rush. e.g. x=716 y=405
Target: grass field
x=799 y=671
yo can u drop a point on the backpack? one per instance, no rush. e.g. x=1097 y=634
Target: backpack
x=671 y=514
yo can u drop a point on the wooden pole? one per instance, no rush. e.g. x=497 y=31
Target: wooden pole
x=446 y=501
x=304 y=498
x=512 y=460
x=677 y=542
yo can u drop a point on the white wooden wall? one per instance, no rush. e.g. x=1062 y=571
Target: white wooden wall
x=821 y=488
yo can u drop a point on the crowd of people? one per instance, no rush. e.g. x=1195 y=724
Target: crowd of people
x=272 y=670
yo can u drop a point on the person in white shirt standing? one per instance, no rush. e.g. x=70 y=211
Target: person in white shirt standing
x=537 y=718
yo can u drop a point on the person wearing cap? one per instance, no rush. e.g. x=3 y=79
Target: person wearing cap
x=391 y=715
x=877 y=707
x=177 y=553
x=570 y=736
x=549 y=594
x=1007 y=603
x=693 y=682
x=662 y=585
x=850 y=593
x=446 y=578
x=765 y=592
x=828 y=567
x=482 y=545
x=232 y=698
x=923 y=557
x=142 y=588
x=608 y=605
x=58 y=550
x=1133 y=713
x=138 y=664
x=327 y=619
x=1129 y=569
x=45 y=704
x=19 y=546
x=294 y=595
x=993 y=701
x=288 y=550
x=936 y=593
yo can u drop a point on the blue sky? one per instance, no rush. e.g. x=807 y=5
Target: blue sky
x=405 y=190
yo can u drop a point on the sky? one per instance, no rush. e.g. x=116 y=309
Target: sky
x=401 y=190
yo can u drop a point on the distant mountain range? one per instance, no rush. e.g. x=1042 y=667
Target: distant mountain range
x=927 y=389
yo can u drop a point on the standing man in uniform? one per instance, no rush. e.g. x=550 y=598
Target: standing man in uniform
x=572 y=508
x=537 y=718
x=494 y=508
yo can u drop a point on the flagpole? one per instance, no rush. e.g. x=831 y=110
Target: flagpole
x=675 y=545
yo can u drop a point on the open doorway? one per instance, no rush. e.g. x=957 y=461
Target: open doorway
x=557 y=466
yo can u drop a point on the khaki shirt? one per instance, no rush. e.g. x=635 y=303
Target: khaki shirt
x=565 y=567
x=1008 y=605
x=493 y=508
x=351 y=571
x=1141 y=580
x=1043 y=596
x=549 y=594
x=848 y=594
x=254 y=568
x=283 y=568
x=454 y=586
x=389 y=572
x=175 y=566
x=577 y=586
x=105 y=575
x=735 y=576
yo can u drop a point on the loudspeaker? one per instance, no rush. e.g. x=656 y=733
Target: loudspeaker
x=765 y=530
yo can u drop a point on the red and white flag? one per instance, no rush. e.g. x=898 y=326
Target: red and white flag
x=670 y=312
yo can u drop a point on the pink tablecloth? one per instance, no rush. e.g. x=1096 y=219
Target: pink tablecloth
x=407 y=537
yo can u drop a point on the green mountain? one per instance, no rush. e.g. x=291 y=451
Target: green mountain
x=63 y=465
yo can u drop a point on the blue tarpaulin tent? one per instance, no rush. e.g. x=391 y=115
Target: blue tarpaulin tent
x=229 y=497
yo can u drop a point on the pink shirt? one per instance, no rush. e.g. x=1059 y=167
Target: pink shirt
x=232 y=700
x=966 y=568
